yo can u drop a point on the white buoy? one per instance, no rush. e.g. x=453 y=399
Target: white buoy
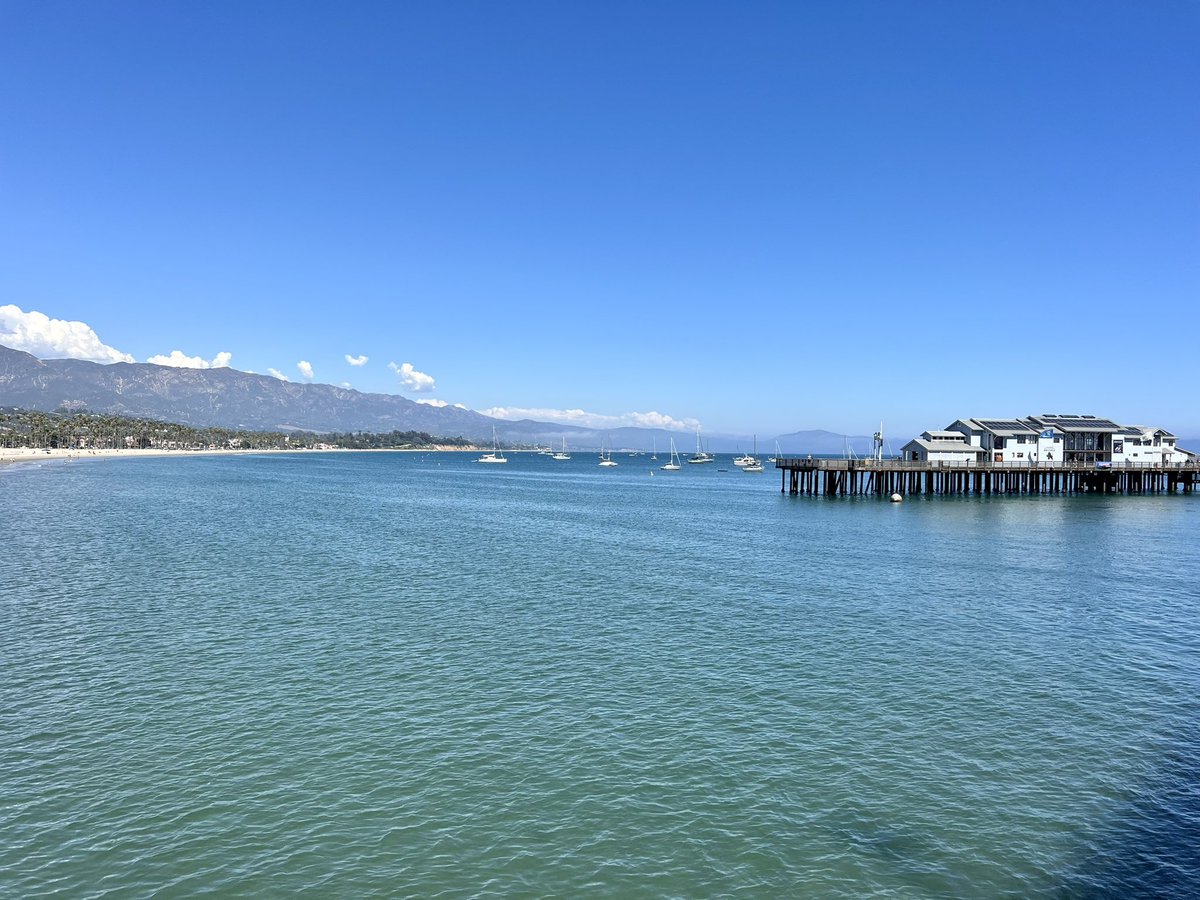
x=896 y=498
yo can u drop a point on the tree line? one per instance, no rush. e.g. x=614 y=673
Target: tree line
x=101 y=431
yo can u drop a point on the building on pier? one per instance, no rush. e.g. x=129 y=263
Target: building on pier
x=1048 y=454
x=1049 y=438
x=942 y=446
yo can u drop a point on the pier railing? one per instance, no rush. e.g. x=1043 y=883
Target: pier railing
x=893 y=465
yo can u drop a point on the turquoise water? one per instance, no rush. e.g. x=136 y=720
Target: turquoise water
x=410 y=675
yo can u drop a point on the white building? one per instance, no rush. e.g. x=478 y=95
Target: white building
x=1049 y=438
x=1005 y=440
x=1139 y=444
x=942 y=446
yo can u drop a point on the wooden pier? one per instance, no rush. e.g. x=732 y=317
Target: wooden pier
x=843 y=477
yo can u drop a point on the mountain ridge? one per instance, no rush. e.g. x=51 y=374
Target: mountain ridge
x=231 y=398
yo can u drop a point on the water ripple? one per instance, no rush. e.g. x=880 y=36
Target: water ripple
x=374 y=675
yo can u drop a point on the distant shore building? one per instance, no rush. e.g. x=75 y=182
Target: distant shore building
x=1049 y=438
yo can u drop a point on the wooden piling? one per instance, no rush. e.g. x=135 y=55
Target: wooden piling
x=847 y=477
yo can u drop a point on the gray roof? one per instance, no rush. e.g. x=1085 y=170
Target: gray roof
x=951 y=435
x=943 y=446
x=1079 y=423
x=1004 y=427
x=1145 y=431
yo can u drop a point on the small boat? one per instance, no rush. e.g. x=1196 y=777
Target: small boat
x=606 y=459
x=750 y=463
x=495 y=456
x=673 y=465
x=700 y=456
x=562 y=454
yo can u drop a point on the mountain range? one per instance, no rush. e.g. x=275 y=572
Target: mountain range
x=234 y=399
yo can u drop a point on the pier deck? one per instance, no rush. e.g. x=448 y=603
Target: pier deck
x=841 y=477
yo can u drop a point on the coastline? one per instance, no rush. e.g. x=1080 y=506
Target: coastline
x=26 y=454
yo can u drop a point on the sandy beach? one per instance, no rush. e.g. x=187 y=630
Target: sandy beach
x=27 y=454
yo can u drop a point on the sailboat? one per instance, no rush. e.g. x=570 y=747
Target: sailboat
x=778 y=454
x=606 y=458
x=750 y=463
x=744 y=460
x=653 y=448
x=673 y=465
x=495 y=456
x=562 y=454
x=700 y=456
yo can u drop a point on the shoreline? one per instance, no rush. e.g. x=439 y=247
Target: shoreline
x=18 y=455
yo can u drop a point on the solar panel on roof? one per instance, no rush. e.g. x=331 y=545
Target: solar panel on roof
x=1070 y=423
x=1004 y=425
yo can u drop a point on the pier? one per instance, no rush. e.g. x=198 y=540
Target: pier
x=884 y=477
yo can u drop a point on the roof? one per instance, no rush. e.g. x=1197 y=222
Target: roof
x=969 y=424
x=943 y=446
x=948 y=435
x=1005 y=427
x=1079 y=423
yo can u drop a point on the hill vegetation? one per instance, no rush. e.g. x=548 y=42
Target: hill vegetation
x=99 y=431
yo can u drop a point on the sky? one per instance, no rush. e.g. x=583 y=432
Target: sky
x=748 y=217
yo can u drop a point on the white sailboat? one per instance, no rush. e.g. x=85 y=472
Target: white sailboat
x=562 y=454
x=750 y=463
x=606 y=459
x=495 y=456
x=673 y=465
x=653 y=448
x=778 y=454
x=700 y=456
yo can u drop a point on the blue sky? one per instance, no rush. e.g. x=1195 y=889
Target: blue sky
x=759 y=217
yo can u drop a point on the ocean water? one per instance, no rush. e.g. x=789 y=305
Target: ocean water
x=386 y=675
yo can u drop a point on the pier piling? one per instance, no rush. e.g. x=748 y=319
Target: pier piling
x=845 y=477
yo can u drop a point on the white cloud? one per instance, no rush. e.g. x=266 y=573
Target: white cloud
x=37 y=333
x=356 y=360
x=305 y=368
x=586 y=419
x=179 y=360
x=277 y=374
x=345 y=384
x=411 y=379
x=430 y=401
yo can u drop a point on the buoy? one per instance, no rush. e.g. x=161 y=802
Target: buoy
x=896 y=498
